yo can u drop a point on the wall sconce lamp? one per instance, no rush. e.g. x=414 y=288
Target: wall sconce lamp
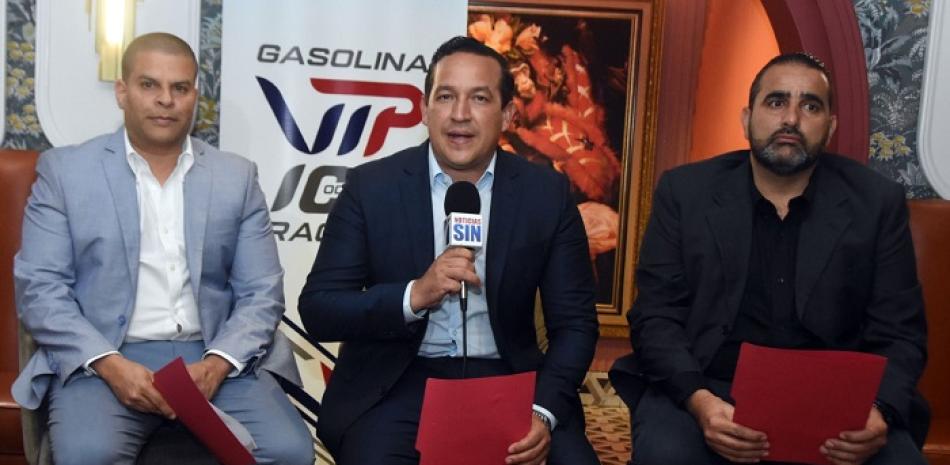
x=114 y=29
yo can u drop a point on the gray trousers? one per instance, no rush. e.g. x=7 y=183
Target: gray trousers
x=89 y=426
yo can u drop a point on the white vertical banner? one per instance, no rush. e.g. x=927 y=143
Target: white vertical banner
x=311 y=88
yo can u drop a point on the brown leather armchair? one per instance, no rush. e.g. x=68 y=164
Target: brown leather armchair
x=16 y=176
x=23 y=437
x=930 y=226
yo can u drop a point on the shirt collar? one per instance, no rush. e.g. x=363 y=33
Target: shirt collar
x=137 y=163
x=438 y=177
x=802 y=201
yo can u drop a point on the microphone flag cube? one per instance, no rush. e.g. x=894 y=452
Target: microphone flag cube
x=463 y=230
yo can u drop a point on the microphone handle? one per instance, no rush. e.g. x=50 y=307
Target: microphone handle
x=463 y=305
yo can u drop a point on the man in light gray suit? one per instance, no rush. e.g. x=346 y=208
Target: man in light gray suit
x=142 y=246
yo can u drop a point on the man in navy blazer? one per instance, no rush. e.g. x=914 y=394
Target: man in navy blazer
x=781 y=245
x=142 y=246
x=383 y=285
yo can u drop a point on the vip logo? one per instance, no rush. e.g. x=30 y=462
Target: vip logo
x=388 y=119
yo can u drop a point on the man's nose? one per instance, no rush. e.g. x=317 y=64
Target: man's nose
x=461 y=110
x=164 y=97
x=791 y=116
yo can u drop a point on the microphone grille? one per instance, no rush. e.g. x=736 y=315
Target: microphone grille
x=462 y=197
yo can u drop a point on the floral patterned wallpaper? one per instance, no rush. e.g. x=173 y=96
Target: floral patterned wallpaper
x=895 y=46
x=894 y=34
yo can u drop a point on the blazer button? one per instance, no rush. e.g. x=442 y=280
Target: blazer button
x=121 y=320
x=382 y=390
x=726 y=329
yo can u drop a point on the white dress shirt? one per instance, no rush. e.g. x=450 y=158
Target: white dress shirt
x=165 y=308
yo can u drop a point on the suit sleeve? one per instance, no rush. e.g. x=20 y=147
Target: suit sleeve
x=257 y=282
x=340 y=302
x=659 y=313
x=895 y=325
x=45 y=272
x=570 y=316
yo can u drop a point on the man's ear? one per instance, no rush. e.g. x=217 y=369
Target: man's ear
x=121 y=92
x=423 y=107
x=746 y=117
x=507 y=114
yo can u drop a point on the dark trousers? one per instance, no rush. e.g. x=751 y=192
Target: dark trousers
x=664 y=433
x=386 y=433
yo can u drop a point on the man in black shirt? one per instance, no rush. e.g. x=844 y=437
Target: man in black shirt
x=784 y=246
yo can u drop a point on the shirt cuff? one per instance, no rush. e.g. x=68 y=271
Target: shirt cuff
x=238 y=366
x=547 y=414
x=88 y=365
x=683 y=385
x=888 y=414
x=407 y=313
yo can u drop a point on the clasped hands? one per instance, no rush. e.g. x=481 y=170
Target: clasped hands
x=744 y=445
x=132 y=383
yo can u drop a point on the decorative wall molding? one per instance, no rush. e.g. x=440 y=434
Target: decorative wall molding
x=933 y=136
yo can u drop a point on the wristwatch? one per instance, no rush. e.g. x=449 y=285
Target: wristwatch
x=544 y=419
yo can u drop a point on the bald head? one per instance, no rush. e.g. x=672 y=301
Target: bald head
x=156 y=42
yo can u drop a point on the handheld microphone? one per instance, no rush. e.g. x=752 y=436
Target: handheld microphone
x=463 y=228
x=463 y=223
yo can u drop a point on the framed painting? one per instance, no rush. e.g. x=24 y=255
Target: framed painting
x=585 y=98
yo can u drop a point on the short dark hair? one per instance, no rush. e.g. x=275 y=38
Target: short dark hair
x=462 y=44
x=156 y=41
x=799 y=58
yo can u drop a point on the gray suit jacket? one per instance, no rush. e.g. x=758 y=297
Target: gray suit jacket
x=77 y=269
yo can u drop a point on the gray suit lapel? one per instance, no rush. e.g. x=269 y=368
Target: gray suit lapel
x=121 y=183
x=821 y=230
x=730 y=221
x=197 y=195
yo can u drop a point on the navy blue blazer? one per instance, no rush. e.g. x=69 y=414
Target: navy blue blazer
x=379 y=236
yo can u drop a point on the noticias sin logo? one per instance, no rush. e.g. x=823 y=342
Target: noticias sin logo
x=387 y=119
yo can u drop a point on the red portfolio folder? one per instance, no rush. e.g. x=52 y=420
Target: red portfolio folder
x=801 y=398
x=194 y=411
x=473 y=421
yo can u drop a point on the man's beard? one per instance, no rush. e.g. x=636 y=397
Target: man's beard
x=802 y=156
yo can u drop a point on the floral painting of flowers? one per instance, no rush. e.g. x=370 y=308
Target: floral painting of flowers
x=572 y=82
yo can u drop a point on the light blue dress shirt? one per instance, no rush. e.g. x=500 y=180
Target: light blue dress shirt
x=443 y=336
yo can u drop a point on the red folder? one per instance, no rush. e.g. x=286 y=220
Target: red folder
x=474 y=421
x=801 y=398
x=194 y=411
